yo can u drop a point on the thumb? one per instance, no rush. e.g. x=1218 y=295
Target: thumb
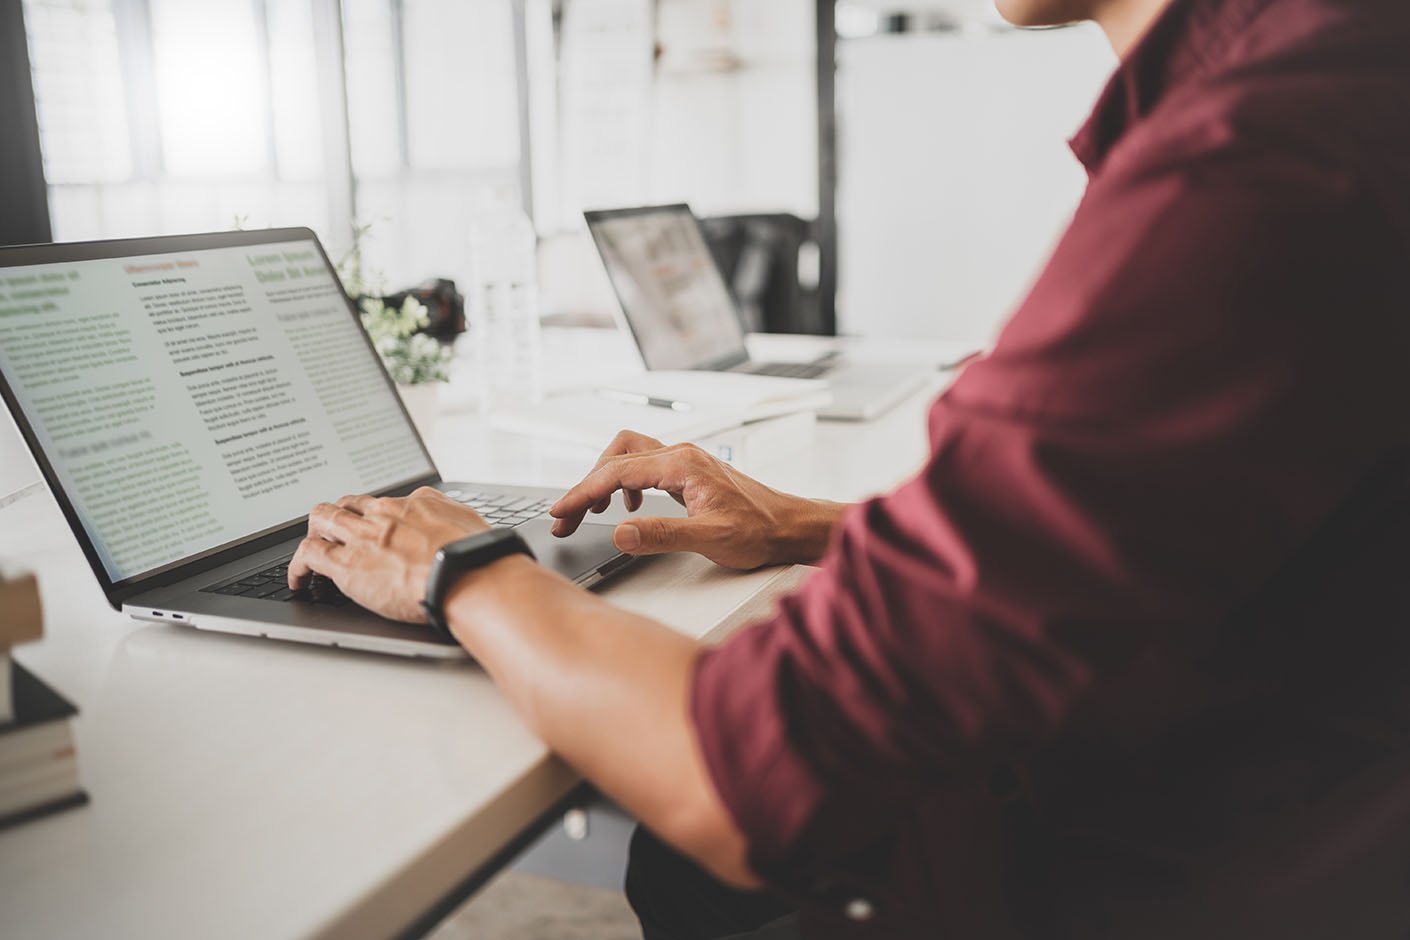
x=653 y=535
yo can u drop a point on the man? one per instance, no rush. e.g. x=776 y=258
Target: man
x=1128 y=657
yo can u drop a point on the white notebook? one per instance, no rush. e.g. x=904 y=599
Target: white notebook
x=587 y=416
x=707 y=390
x=17 y=470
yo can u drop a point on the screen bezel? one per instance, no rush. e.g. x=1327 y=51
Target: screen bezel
x=67 y=252
x=594 y=216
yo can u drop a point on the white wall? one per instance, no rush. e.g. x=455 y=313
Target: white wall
x=955 y=176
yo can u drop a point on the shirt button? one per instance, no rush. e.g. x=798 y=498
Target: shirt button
x=859 y=909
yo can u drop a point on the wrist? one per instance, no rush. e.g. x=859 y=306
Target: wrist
x=477 y=595
x=456 y=558
x=806 y=531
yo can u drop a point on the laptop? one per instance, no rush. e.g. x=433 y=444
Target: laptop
x=189 y=399
x=677 y=307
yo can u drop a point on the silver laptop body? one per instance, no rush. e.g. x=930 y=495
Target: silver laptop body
x=678 y=309
x=188 y=399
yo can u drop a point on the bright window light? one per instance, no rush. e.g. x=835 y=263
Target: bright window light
x=856 y=22
x=298 y=126
x=210 y=88
x=78 y=89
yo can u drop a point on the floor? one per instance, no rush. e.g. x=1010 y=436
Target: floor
x=521 y=906
x=566 y=886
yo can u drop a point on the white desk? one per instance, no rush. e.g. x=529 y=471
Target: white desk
x=846 y=460
x=246 y=788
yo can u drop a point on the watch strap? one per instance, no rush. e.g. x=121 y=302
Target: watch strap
x=460 y=557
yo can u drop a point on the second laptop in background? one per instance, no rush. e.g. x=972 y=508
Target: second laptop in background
x=681 y=314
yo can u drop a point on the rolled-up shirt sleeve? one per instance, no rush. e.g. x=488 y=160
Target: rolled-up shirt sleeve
x=1128 y=465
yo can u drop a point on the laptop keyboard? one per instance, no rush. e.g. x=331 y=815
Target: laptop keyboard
x=501 y=510
x=272 y=584
x=788 y=370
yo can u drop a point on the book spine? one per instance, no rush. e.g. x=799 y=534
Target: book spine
x=21 y=619
x=77 y=798
x=7 y=693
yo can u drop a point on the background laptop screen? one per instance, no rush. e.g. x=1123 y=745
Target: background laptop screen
x=192 y=399
x=670 y=288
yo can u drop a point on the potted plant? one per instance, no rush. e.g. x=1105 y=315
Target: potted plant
x=417 y=363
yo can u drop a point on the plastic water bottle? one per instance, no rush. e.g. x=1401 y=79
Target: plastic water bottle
x=503 y=304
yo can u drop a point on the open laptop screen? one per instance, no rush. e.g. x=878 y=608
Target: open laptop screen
x=191 y=399
x=672 y=295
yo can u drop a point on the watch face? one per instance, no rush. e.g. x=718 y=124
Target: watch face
x=473 y=543
x=467 y=551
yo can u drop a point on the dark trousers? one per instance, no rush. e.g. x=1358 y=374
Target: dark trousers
x=675 y=899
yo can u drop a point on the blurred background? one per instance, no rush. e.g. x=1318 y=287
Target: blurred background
x=894 y=169
x=870 y=168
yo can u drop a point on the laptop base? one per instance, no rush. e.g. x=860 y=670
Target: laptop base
x=587 y=558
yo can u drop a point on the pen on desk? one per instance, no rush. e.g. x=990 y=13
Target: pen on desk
x=962 y=360
x=633 y=398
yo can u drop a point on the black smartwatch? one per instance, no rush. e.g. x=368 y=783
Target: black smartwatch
x=460 y=557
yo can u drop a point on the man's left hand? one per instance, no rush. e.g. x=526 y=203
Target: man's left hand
x=379 y=551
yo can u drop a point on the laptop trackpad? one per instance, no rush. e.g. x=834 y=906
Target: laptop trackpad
x=575 y=557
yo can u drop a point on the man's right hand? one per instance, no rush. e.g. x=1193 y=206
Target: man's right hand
x=733 y=520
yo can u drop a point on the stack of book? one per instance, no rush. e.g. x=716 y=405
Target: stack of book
x=38 y=764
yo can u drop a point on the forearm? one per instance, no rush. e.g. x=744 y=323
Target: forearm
x=806 y=531
x=608 y=691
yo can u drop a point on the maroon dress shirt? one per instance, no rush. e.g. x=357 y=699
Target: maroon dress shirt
x=1130 y=656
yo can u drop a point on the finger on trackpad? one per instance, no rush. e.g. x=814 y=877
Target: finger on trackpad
x=574 y=557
